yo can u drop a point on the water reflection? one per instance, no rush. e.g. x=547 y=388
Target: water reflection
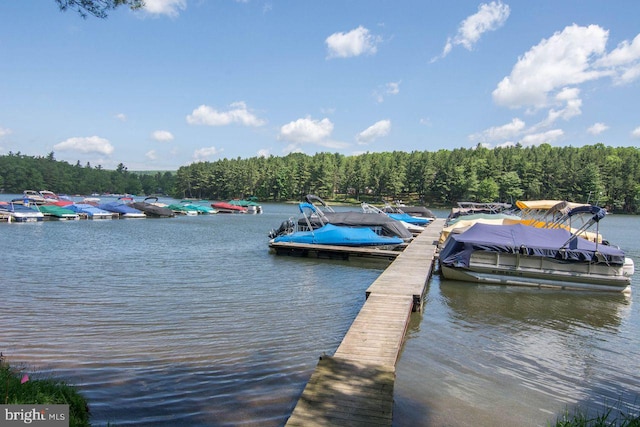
x=559 y=310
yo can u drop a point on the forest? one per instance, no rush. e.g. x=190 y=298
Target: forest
x=598 y=174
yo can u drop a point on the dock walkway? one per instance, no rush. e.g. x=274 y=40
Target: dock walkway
x=354 y=387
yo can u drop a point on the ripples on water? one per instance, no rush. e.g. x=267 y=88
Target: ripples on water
x=186 y=320
x=504 y=356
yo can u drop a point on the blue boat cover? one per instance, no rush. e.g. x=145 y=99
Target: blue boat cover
x=519 y=238
x=87 y=209
x=331 y=234
x=409 y=219
x=118 y=207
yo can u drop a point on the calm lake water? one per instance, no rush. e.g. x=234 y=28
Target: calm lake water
x=191 y=321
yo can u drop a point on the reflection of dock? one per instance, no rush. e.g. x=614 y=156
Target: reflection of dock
x=355 y=386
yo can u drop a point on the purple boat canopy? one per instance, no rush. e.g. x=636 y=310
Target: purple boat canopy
x=554 y=243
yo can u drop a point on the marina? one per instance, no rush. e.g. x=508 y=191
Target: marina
x=191 y=320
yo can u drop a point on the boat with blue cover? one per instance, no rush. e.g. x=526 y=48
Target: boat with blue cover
x=380 y=223
x=21 y=211
x=122 y=209
x=522 y=255
x=90 y=211
x=330 y=234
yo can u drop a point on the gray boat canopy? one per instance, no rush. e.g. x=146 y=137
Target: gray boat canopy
x=388 y=225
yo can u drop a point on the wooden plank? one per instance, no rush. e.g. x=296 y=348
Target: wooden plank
x=343 y=392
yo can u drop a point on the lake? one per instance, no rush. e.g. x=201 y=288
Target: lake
x=191 y=321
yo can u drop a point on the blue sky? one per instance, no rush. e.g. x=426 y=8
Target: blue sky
x=201 y=80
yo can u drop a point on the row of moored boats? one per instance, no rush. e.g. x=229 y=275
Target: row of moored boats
x=544 y=243
x=40 y=205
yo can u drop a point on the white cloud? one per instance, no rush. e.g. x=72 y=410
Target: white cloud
x=162 y=136
x=392 y=88
x=626 y=53
x=151 y=155
x=354 y=43
x=205 y=153
x=500 y=133
x=238 y=113
x=489 y=17
x=377 y=130
x=636 y=132
x=571 y=108
x=121 y=116
x=623 y=61
x=263 y=152
x=170 y=8
x=306 y=130
x=541 y=138
x=4 y=132
x=90 y=144
x=597 y=128
x=309 y=131
x=560 y=61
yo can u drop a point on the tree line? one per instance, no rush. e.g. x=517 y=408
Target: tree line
x=608 y=176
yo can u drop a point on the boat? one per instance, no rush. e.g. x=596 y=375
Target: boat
x=58 y=212
x=330 y=234
x=122 y=209
x=200 y=209
x=52 y=198
x=400 y=207
x=224 y=207
x=33 y=196
x=183 y=209
x=380 y=223
x=90 y=211
x=19 y=211
x=398 y=216
x=471 y=208
x=521 y=255
x=151 y=209
x=252 y=206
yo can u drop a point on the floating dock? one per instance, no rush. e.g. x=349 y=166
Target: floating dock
x=354 y=387
x=332 y=252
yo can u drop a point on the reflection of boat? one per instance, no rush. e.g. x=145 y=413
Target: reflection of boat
x=18 y=211
x=542 y=257
x=378 y=222
x=91 y=211
x=558 y=310
x=151 y=209
x=122 y=209
x=329 y=234
x=224 y=207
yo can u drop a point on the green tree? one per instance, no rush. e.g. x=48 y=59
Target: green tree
x=97 y=8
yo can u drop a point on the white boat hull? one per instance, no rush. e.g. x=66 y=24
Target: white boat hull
x=534 y=271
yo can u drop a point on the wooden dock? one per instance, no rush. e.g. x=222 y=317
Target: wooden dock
x=354 y=387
